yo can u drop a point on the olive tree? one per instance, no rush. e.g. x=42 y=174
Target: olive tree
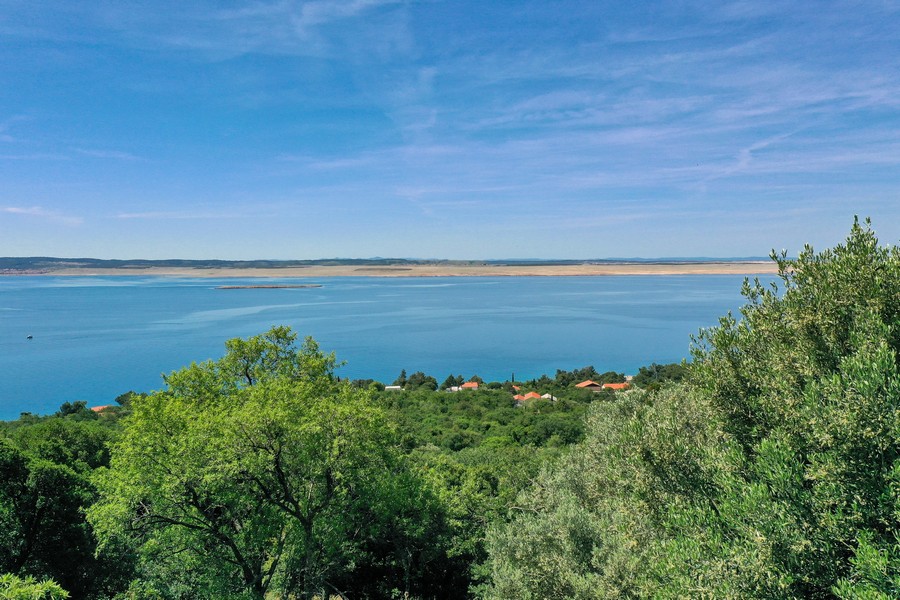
x=772 y=472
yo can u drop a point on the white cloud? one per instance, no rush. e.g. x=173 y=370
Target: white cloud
x=42 y=213
x=319 y=12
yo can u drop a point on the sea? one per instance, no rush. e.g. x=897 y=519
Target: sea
x=64 y=339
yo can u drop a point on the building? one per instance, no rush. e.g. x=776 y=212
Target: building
x=589 y=385
x=522 y=398
x=618 y=387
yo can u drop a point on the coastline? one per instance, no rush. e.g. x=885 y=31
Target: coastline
x=430 y=270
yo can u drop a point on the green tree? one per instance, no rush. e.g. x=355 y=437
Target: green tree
x=256 y=474
x=566 y=378
x=77 y=410
x=476 y=487
x=452 y=381
x=421 y=380
x=655 y=375
x=771 y=473
x=16 y=588
x=45 y=471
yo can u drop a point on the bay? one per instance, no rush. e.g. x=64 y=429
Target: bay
x=94 y=338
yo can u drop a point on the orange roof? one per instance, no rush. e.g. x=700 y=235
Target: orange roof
x=616 y=386
x=517 y=388
x=532 y=395
x=101 y=408
x=518 y=397
x=587 y=383
x=470 y=385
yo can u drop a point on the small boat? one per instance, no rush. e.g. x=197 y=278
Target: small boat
x=29 y=337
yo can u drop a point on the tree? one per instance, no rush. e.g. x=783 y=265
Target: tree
x=452 y=381
x=772 y=472
x=567 y=378
x=125 y=399
x=16 y=588
x=256 y=474
x=421 y=380
x=808 y=387
x=655 y=375
x=475 y=487
x=77 y=410
x=45 y=470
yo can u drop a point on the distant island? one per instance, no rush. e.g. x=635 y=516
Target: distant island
x=384 y=267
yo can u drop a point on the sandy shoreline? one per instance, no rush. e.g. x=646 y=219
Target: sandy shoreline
x=439 y=270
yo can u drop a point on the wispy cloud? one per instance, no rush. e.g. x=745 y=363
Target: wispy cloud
x=319 y=12
x=34 y=156
x=109 y=154
x=4 y=131
x=42 y=213
x=178 y=215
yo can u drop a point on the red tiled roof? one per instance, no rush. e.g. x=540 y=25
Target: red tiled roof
x=616 y=386
x=470 y=385
x=101 y=408
x=518 y=397
x=532 y=395
x=587 y=383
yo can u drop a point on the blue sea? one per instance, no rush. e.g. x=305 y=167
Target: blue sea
x=94 y=338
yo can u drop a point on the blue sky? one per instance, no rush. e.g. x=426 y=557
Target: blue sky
x=454 y=129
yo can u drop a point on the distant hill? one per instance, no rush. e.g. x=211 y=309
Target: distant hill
x=49 y=263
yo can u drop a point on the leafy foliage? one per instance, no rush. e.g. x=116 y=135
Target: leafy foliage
x=655 y=376
x=45 y=487
x=565 y=379
x=771 y=473
x=454 y=421
x=261 y=473
x=17 y=588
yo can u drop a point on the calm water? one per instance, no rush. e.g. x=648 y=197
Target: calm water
x=95 y=338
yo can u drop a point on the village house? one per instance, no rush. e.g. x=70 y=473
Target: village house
x=521 y=398
x=618 y=387
x=589 y=385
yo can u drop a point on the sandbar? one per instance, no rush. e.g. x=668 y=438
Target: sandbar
x=441 y=270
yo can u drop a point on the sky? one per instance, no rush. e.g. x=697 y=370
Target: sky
x=445 y=129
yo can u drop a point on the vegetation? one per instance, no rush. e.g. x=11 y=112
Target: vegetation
x=772 y=472
x=768 y=467
x=16 y=588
